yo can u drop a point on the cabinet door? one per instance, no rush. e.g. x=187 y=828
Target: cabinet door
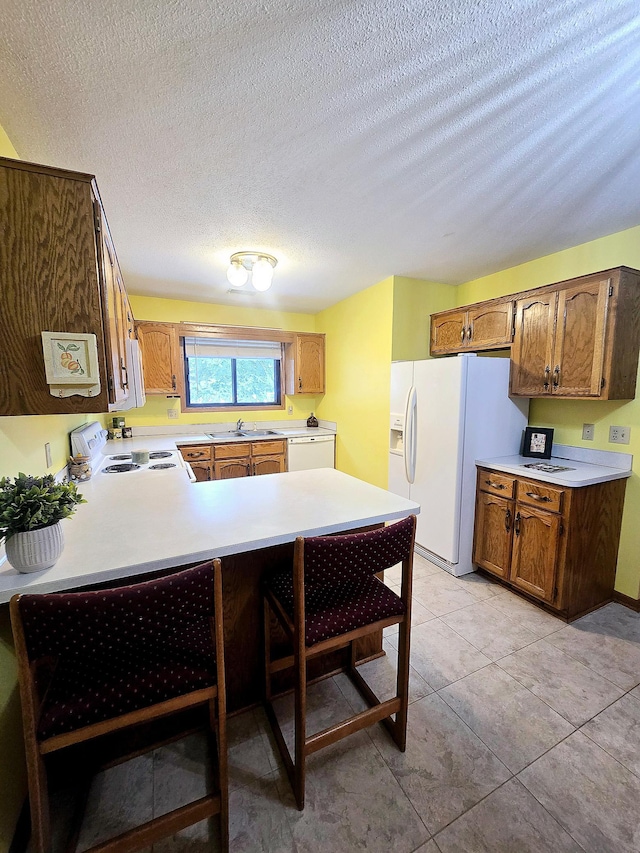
x=201 y=470
x=448 y=332
x=532 y=350
x=493 y=534
x=310 y=364
x=579 y=346
x=490 y=326
x=535 y=551
x=160 y=357
x=268 y=465
x=113 y=313
x=229 y=469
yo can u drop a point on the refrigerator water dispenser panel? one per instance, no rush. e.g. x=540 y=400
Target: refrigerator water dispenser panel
x=396 y=434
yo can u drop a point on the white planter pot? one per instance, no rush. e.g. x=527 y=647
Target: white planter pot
x=35 y=550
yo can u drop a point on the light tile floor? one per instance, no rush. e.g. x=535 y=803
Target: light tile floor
x=524 y=737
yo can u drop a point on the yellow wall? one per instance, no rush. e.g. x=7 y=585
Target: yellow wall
x=172 y=311
x=414 y=301
x=567 y=416
x=359 y=333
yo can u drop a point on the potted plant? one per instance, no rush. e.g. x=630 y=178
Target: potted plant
x=31 y=509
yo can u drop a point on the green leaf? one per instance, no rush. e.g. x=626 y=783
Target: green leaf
x=73 y=347
x=61 y=347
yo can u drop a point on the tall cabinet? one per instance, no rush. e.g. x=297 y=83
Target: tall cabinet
x=59 y=273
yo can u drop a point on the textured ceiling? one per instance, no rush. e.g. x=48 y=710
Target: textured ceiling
x=353 y=140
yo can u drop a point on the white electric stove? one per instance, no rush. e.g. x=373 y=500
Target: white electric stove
x=90 y=440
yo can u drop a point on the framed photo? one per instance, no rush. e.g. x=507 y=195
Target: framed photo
x=537 y=442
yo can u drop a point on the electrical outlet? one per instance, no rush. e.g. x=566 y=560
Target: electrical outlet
x=588 y=432
x=172 y=414
x=47 y=454
x=290 y=410
x=619 y=434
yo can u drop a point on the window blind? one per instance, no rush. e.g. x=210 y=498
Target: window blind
x=221 y=348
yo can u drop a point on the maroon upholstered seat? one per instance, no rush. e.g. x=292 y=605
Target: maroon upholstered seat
x=334 y=610
x=98 y=663
x=331 y=599
x=120 y=650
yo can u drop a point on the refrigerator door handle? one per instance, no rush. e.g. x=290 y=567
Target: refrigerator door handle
x=409 y=446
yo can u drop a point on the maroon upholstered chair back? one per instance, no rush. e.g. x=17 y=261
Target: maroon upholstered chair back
x=332 y=560
x=169 y=612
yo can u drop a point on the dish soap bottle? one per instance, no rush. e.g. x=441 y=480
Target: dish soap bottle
x=312 y=420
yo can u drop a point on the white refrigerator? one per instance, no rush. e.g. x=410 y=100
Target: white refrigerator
x=445 y=414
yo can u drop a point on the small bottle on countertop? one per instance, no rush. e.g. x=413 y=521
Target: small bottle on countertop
x=312 y=420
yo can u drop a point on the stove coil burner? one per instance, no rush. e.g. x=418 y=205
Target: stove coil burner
x=121 y=456
x=119 y=469
x=160 y=454
x=162 y=465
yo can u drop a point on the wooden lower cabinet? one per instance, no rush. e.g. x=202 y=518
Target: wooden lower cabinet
x=236 y=459
x=200 y=458
x=558 y=545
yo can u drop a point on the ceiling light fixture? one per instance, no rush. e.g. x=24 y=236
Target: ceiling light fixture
x=259 y=264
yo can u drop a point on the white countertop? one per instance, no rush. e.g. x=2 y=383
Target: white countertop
x=136 y=523
x=586 y=467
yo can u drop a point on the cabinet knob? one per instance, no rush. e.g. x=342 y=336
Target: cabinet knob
x=556 y=376
x=545 y=383
x=173 y=381
x=537 y=497
x=495 y=485
x=462 y=334
x=300 y=383
x=516 y=526
x=469 y=332
x=507 y=520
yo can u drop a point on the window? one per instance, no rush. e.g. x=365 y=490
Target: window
x=224 y=374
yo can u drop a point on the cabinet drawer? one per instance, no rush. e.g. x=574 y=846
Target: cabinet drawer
x=496 y=484
x=196 y=453
x=266 y=448
x=540 y=495
x=237 y=450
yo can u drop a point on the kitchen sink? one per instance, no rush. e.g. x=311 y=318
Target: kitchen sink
x=248 y=433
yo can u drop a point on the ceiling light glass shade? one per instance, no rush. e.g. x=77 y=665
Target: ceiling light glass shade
x=262 y=274
x=237 y=274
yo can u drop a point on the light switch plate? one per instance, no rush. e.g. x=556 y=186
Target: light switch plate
x=47 y=454
x=172 y=414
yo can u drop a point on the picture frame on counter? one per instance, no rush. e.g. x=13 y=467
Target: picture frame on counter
x=537 y=442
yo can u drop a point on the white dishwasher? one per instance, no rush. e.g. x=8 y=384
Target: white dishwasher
x=311 y=451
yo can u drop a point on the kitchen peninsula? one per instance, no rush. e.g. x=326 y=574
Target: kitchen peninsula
x=132 y=526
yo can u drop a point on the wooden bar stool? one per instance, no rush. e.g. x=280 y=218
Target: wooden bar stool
x=331 y=599
x=95 y=663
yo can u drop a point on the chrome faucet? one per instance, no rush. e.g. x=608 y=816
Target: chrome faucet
x=239 y=425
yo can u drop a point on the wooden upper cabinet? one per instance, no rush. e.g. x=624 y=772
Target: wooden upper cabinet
x=58 y=273
x=488 y=325
x=115 y=307
x=304 y=365
x=579 y=339
x=448 y=332
x=159 y=344
x=532 y=350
